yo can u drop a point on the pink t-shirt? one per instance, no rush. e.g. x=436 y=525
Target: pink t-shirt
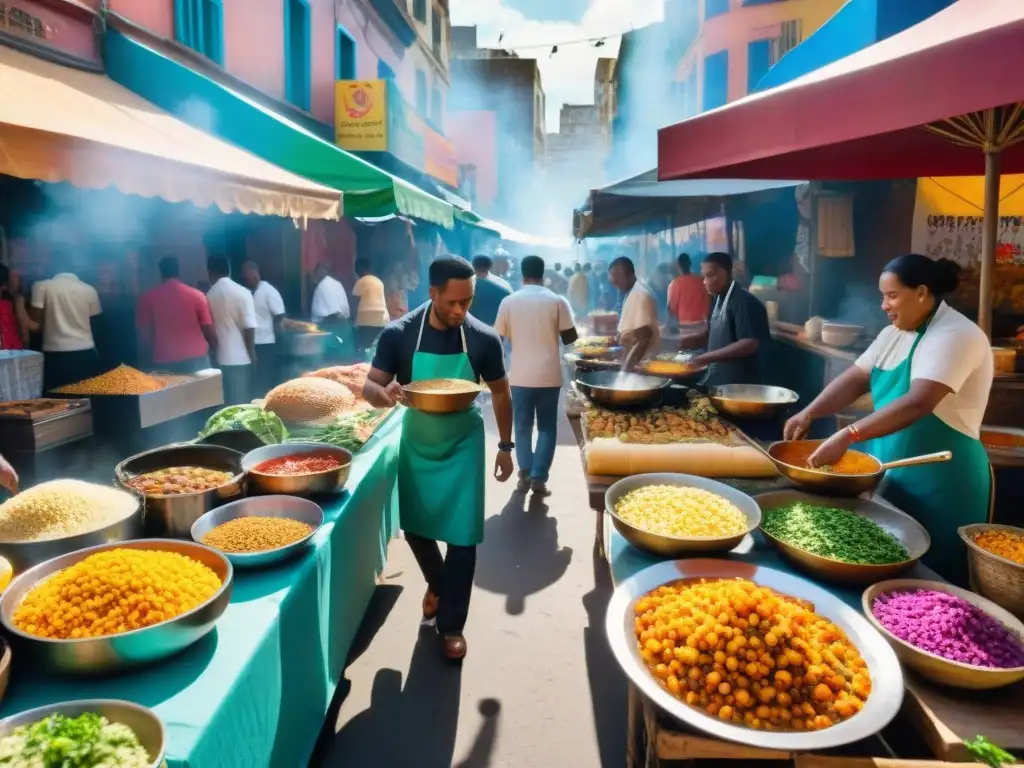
x=173 y=314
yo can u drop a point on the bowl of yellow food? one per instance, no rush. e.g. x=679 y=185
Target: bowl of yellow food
x=169 y=595
x=672 y=515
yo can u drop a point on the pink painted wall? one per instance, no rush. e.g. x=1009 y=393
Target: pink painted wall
x=254 y=43
x=371 y=46
x=322 y=61
x=155 y=15
x=70 y=33
x=475 y=136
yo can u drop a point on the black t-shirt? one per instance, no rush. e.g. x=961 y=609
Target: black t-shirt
x=397 y=343
x=745 y=318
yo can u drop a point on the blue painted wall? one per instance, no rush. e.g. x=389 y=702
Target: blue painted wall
x=855 y=26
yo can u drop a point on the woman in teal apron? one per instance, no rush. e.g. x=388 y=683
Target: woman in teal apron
x=932 y=400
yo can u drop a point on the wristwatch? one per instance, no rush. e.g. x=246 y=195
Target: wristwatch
x=506 y=447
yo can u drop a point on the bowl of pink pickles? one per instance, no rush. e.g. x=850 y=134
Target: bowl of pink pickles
x=949 y=635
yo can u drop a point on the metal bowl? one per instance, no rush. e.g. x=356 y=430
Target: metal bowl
x=25 y=554
x=113 y=653
x=296 y=344
x=751 y=401
x=297 y=485
x=174 y=515
x=912 y=536
x=827 y=483
x=886 y=676
x=447 y=402
x=289 y=507
x=661 y=545
x=145 y=724
x=934 y=667
x=615 y=389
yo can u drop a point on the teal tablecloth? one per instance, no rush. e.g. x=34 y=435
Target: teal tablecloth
x=255 y=691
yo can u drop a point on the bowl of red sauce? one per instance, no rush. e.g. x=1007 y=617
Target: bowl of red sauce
x=297 y=469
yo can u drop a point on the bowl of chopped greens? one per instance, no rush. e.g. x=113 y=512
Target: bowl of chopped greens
x=852 y=541
x=83 y=734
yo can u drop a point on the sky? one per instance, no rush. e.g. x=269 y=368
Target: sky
x=568 y=76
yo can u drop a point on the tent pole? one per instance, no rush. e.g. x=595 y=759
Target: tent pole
x=989 y=235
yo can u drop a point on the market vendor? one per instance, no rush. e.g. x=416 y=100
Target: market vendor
x=929 y=374
x=639 y=333
x=8 y=477
x=737 y=327
x=441 y=456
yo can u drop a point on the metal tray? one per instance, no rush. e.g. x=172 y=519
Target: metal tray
x=886 y=675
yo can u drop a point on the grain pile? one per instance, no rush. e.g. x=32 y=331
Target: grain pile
x=309 y=399
x=256 y=534
x=443 y=387
x=62 y=508
x=123 y=380
x=353 y=377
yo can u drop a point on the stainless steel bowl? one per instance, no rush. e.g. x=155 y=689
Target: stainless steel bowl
x=661 y=545
x=440 y=402
x=146 y=726
x=174 y=515
x=615 y=389
x=25 y=554
x=297 y=485
x=112 y=653
x=294 y=344
x=289 y=507
x=886 y=675
x=751 y=401
x=911 y=534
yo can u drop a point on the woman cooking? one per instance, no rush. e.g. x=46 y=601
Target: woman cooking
x=929 y=374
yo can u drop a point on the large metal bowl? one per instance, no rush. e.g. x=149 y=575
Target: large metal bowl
x=912 y=536
x=440 y=402
x=615 y=389
x=672 y=546
x=174 y=515
x=113 y=653
x=146 y=726
x=25 y=554
x=886 y=676
x=751 y=401
x=297 y=344
x=288 y=507
x=297 y=485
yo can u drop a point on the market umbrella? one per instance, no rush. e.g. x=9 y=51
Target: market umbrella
x=942 y=98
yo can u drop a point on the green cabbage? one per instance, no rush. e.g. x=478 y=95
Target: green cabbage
x=265 y=425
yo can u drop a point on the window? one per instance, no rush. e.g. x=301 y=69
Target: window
x=716 y=80
x=345 y=66
x=788 y=39
x=715 y=8
x=759 y=61
x=436 y=109
x=421 y=91
x=296 y=52
x=199 y=24
x=419 y=10
x=436 y=32
x=384 y=72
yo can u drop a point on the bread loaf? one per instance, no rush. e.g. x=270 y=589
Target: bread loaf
x=309 y=399
x=610 y=456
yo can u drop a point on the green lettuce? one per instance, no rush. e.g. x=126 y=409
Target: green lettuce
x=265 y=425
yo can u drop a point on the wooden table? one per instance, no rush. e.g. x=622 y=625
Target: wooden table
x=942 y=717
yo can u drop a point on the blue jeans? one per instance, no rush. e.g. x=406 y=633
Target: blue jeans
x=538 y=404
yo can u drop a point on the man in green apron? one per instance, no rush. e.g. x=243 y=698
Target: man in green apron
x=441 y=460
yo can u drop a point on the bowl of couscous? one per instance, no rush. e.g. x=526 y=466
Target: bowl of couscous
x=672 y=515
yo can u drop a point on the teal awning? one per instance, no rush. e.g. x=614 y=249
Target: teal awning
x=215 y=108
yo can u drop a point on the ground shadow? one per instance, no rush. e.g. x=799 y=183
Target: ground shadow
x=520 y=555
x=483 y=745
x=608 y=692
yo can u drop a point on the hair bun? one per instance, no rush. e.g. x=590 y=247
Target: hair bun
x=947 y=276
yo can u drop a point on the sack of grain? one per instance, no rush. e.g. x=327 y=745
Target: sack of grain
x=309 y=399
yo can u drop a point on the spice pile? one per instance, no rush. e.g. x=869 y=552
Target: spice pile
x=750 y=656
x=115 y=591
x=699 y=422
x=672 y=510
x=256 y=534
x=1004 y=543
x=86 y=741
x=123 y=380
x=834 y=533
x=299 y=464
x=950 y=627
x=62 y=508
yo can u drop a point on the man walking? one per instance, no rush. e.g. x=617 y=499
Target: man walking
x=174 y=324
x=370 y=307
x=535 y=320
x=234 y=320
x=490 y=291
x=688 y=301
x=269 y=313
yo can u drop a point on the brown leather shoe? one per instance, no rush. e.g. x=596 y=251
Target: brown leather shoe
x=454 y=647
x=430 y=605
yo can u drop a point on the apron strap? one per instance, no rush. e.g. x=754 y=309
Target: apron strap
x=715 y=312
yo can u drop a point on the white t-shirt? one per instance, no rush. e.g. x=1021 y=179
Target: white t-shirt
x=532 y=318
x=640 y=309
x=953 y=351
x=67 y=304
x=233 y=311
x=329 y=299
x=373 y=309
x=269 y=304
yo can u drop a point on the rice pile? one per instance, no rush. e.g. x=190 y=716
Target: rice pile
x=309 y=399
x=62 y=508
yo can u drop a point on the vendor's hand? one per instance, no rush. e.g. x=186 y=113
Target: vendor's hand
x=699 y=361
x=831 y=450
x=692 y=341
x=796 y=427
x=8 y=477
x=503 y=467
x=393 y=394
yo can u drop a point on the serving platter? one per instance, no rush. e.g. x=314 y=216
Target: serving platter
x=884 y=667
